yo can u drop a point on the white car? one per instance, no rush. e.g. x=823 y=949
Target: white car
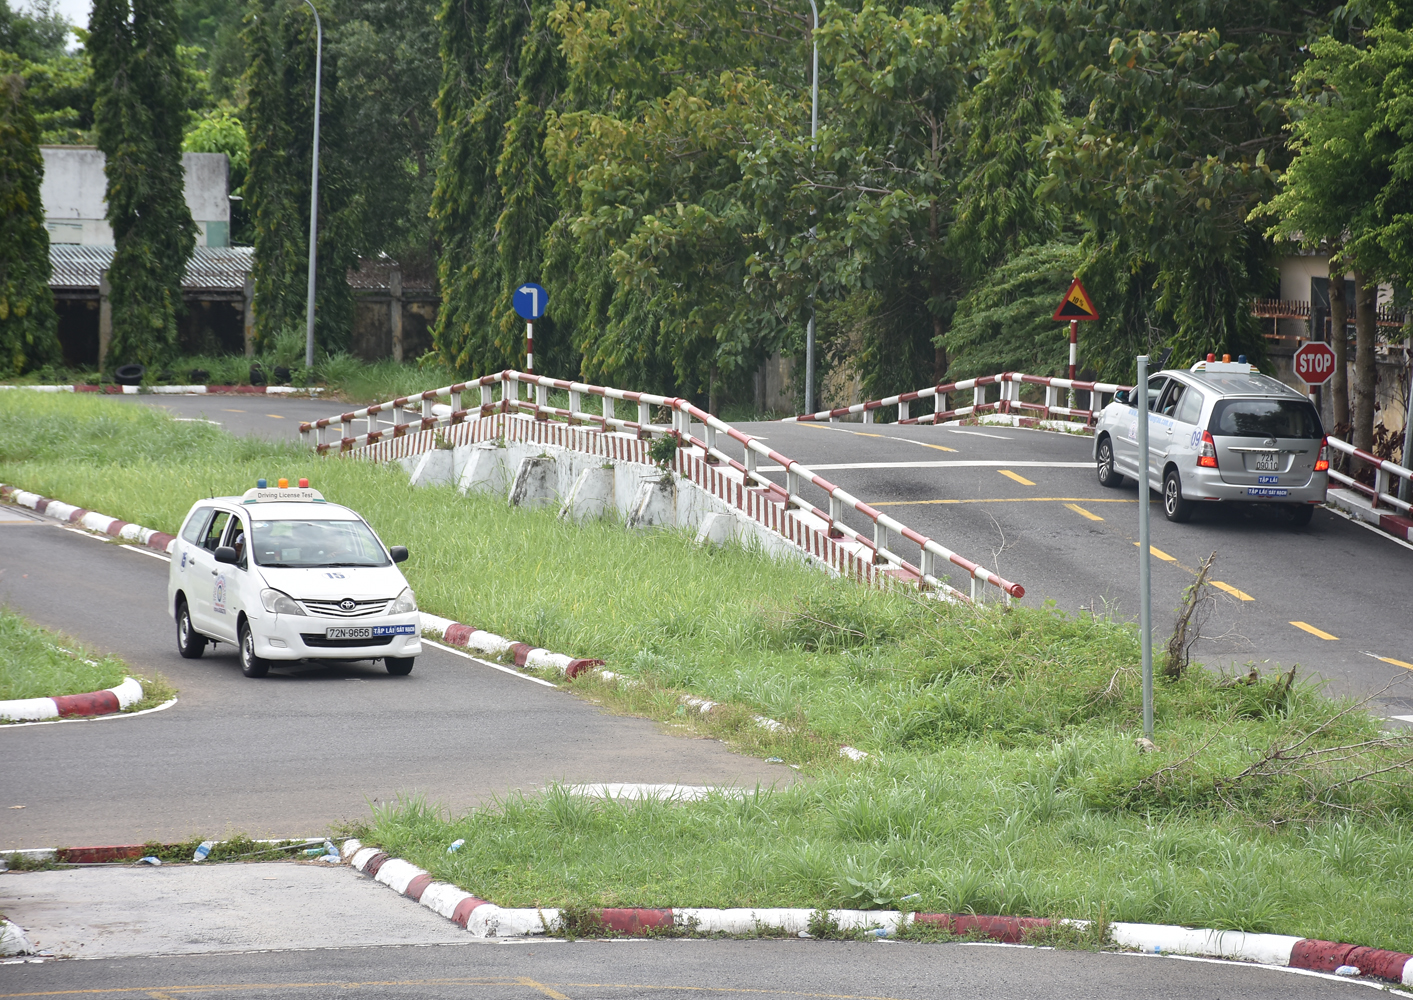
x=1218 y=431
x=286 y=576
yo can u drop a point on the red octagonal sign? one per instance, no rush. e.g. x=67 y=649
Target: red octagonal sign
x=1315 y=363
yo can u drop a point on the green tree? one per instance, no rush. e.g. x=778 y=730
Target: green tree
x=58 y=83
x=1351 y=180
x=280 y=39
x=28 y=325
x=139 y=115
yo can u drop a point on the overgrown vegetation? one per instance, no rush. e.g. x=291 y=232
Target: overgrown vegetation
x=37 y=663
x=1002 y=773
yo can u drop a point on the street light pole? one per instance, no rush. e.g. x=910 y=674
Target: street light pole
x=814 y=130
x=1145 y=590
x=314 y=193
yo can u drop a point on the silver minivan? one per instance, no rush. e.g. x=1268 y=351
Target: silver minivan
x=1219 y=431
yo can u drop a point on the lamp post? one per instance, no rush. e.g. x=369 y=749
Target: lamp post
x=814 y=130
x=314 y=193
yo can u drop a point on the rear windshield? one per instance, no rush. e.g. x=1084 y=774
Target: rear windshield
x=1275 y=418
x=301 y=544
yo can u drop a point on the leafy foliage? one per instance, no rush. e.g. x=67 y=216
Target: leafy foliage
x=280 y=38
x=139 y=114
x=28 y=324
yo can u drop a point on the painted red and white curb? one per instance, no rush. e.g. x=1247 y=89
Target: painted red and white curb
x=108 y=389
x=522 y=654
x=72 y=706
x=100 y=524
x=486 y=920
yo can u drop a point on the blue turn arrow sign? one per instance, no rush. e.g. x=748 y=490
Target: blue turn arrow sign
x=530 y=301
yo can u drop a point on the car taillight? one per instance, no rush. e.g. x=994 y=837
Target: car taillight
x=1322 y=460
x=1207 y=456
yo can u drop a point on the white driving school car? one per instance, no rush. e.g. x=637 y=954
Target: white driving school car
x=1219 y=431
x=286 y=575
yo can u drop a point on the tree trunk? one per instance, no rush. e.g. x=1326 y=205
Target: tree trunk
x=711 y=393
x=1366 y=328
x=1339 y=381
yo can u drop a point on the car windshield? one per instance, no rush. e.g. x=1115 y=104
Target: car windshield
x=1273 y=418
x=315 y=543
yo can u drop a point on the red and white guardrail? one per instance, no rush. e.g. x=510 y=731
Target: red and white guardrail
x=1009 y=401
x=71 y=706
x=429 y=417
x=1382 y=490
x=158 y=541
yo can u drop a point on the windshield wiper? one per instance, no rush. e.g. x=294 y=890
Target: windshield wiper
x=345 y=564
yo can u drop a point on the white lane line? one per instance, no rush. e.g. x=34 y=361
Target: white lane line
x=92 y=718
x=955 y=464
x=108 y=538
x=494 y=666
x=1369 y=527
x=980 y=434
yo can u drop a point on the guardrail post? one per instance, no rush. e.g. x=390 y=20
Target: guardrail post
x=487 y=394
x=880 y=541
x=927 y=563
x=455 y=403
x=978 y=395
x=904 y=409
x=1052 y=398
x=645 y=415
x=1380 y=483
x=751 y=457
x=939 y=405
x=868 y=416
x=607 y=412
x=792 y=487
x=427 y=405
x=836 y=516
x=541 y=395
x=576 y=403
x=710 y=437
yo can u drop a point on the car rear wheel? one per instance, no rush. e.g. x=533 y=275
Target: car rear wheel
x=1174 y=506
x=1107 y=474
x=1301 y=514
x=190 y=643
x=399 y=666
x=250 y=664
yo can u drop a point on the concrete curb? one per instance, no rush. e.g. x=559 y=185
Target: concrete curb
x=484 y=919
x=175 y=390
x=524 y=655
x=69 y=706
x=100 y=524
x=1361 y=508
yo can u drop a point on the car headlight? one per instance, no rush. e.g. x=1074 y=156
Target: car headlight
x=406 y=601
x=278 y=603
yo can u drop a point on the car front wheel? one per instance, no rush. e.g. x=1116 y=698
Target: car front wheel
x=190 y=643
x=1174 y=506
x=399 y=666
x=250 y=664
x=1108 y=476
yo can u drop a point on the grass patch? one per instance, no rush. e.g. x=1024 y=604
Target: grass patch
x=1003 y=776
x=37 y=663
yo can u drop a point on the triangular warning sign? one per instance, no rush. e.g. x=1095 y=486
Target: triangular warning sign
x=1076 y=304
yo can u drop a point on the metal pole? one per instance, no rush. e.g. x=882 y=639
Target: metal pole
x=814 y=130
x=1145 y=594
x=1074 y=361
x=1406 y=488
x=529 y=347
x=314 y=193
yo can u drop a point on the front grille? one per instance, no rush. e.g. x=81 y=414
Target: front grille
x=318 y=639
x=331 y=609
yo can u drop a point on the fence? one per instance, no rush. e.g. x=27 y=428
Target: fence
x=741 y=484
x=1009 y=384
x=1379 y=492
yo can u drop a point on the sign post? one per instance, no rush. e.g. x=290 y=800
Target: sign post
x=1075 y=306
x=1145 y=592
x=529 y=301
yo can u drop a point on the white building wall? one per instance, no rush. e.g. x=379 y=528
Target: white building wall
x=74 y=195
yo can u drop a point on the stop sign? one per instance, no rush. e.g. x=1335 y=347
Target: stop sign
x=1315 y=363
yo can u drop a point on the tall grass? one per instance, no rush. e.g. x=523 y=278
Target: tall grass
x=1002 y=772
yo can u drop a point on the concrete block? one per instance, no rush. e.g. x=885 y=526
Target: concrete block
x=655 y=505
x=434 y=468
x=717 y=529
x=535 y=482
x=591 y=495
x=483 y=471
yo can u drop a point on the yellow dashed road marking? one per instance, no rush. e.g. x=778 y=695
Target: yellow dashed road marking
x=1316 y=632
x=1240 y=595
x=1016 y=476
x=1159 y=553
x=275 y=416
x=547 y=991
x=1396 y=663
x=1082 y=512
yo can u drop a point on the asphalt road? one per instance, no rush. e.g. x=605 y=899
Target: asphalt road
x=639 y=969
x=1336 y=598
x=304 y=748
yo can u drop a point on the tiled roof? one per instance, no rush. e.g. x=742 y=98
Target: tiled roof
x=373 y=274
x=210 y=268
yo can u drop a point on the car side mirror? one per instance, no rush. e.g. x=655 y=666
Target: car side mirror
x=226 y=554
x=1122 y=397
x=398 y=553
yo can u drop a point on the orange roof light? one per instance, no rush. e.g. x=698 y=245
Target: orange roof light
x=284 y=484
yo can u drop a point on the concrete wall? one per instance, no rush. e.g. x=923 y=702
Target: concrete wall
x=75 y=186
